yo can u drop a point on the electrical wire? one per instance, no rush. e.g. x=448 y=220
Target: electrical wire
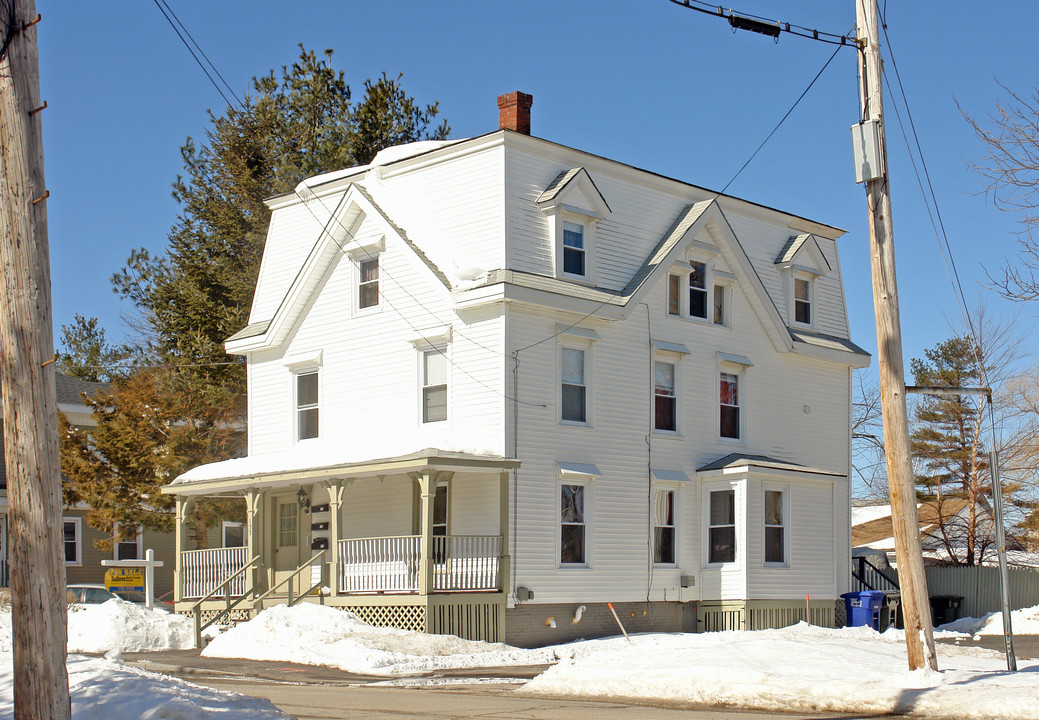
x=779 y=26
x=717 y=194
x=199 y=47
x=173 y=25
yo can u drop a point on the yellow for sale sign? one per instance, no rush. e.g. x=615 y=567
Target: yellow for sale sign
x=124 y=578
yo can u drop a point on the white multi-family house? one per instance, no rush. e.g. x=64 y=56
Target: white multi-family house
x=498 y=383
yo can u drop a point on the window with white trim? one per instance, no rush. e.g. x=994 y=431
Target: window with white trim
x=232 y=534
x=434 y=384
x=574 y=384
x=368 y=283
x=72 y=530
x=129 y=544
x=674 y=294
x=698 y=289
x=306 y=404
x=729 y=405
x=664 y=528
x=721 y=529
x=573 y=536
x=665 y=396
x=803 y=300
x=720 y=314
x=574 y=251
x=775 y=526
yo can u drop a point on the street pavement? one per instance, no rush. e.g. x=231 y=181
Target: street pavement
x=309 y=692
x=319 y=693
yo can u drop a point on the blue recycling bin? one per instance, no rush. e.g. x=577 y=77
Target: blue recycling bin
x=863 y=608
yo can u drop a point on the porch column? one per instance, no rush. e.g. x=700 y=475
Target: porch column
x=505 y=579
x=183 y=504
x=253 y=538
x=427 y=492
x=336 y=488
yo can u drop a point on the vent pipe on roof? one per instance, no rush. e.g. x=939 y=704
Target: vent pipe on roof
x=514 y=112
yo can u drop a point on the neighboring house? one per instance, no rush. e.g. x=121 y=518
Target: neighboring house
x=82 y=558
x=497 y=383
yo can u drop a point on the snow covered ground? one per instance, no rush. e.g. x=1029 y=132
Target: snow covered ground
x=801 y=668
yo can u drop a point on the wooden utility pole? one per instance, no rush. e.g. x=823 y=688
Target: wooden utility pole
x=30 y=423
x=916 y=608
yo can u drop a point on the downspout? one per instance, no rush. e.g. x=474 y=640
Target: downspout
x=649 y=458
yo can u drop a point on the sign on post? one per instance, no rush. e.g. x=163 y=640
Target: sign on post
x=124 y=578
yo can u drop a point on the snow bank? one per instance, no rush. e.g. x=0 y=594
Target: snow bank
x=1022 y=622
x=121 y=625
x=102 y=690
x=116 y=625
x=317 y=635
x=801 y=668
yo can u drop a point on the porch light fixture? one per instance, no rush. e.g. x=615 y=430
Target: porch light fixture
x=303 y=499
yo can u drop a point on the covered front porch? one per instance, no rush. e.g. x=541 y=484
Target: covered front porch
x=418 y=542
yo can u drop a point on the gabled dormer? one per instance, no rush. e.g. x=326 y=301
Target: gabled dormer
x=801 y=264
x=574 y=207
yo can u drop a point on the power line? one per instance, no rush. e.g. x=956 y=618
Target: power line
x=763 y=25
x=167 y=12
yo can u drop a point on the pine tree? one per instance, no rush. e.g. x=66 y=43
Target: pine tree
x=946 y=443
x=86 y=354
x=189 y=408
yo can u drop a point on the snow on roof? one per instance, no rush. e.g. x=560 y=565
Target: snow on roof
x=866 y=513
x=308 y=457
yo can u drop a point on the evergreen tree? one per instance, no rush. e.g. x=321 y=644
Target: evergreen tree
x=946 y=443
x=86 y=354
x=189 y=408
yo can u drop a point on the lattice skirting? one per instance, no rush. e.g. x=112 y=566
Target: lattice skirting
x=762 y=615
x=402 y=617
x=237 y=615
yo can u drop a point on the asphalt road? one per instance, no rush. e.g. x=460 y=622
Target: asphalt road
x=319 y=693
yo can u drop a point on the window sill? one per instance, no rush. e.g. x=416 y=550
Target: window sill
x=575 y=424
x=573 y=566
x=775 y=566
x=668 y=434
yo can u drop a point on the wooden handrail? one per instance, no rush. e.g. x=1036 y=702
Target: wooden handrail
x=288 y=580
x=196 y=609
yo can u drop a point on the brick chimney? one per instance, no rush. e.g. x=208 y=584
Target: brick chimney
x=514 y=112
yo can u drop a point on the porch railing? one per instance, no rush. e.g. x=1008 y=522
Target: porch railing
x=466 y=562
x=391 y=564
x=204 y=570
x=380 y=564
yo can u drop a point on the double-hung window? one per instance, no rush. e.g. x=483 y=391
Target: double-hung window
x=803 y=301
x=775 y=527
x=130 y=543
x=572 y=535
x=664 y=527
x=434 y=385
x=307 y=405
x=232 y=534
x=721 y=540
x=729 y=401
x=665 y=399
x=574 y=386
x=72 y=530
x=574 y=257
x=368 y=283
x=698 y=289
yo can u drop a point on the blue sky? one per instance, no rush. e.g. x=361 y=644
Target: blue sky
x=645 y=82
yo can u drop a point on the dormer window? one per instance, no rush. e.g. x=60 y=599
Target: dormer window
x=698 y=290
x=573 y=249
x=801 y=263
x=803 y=300
x=574 y=206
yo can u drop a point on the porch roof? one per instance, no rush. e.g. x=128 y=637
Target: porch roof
x=743 y=462
x=294 y=466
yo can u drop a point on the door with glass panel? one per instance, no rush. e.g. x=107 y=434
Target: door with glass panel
x=287 y=536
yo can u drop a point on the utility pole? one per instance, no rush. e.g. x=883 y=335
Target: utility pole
x=30 y=414
x=915 y=605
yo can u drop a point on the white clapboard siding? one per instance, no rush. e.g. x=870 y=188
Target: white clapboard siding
x=374 y=507
x=293 y=232
x=370 y=364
